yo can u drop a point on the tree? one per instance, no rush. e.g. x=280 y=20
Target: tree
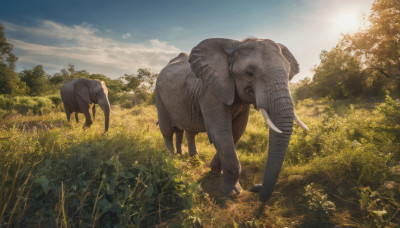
x=36 y=79
x=144 y=79
x=363 y=64
x=147 y=78
x=378 y=45
x=132 y=82
x=6 y=55
x=9 y=81
x=302 y=89
x=65 y=75
x=339 y=75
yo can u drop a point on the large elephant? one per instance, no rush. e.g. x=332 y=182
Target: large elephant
x=79 y=93
x=212 y=90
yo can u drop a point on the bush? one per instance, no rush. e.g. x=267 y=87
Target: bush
x=391 y=110
x=130 y=100
x=33 y=105
x=101 y=180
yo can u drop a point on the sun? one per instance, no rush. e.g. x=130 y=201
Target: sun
x=346 y=22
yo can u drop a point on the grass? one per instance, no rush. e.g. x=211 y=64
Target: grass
x=344 y=172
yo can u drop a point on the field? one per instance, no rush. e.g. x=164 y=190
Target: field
x=54 y=173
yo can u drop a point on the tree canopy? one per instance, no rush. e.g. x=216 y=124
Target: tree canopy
x=364 y=64
x=9 y=80
x=36 y=79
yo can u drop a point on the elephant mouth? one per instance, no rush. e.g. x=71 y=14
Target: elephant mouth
x=276 y=129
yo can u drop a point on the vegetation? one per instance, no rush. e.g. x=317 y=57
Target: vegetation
x=54 y=173
x=344 y=172
x=362 y=65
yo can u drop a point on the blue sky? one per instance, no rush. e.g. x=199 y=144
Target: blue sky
x=117 y=37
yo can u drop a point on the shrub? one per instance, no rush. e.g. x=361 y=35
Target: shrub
x=100 y=180
x=26 y=104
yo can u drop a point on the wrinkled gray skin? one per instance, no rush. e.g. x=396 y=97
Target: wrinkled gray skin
x=79 y=93
x=212 y=90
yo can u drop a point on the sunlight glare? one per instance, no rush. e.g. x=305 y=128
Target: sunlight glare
x=346 y=22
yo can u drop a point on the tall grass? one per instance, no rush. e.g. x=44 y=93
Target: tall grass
x=54 y=173
x=67 y=176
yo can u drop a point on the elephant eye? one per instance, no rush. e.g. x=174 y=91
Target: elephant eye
x=249 y=73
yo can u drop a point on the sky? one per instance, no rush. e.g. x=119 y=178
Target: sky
x=121 y=36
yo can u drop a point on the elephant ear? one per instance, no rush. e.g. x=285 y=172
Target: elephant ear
x=294 y=66
x=209 y=61
x=81 y=91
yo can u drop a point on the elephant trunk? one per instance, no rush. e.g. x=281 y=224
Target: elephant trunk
x=105 y=106
x=276 y=101
x=106 y=118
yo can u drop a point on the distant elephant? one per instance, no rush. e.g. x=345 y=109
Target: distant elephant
x=212 y=90
x=79 y=93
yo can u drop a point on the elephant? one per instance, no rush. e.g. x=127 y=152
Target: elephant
x=211 y=90
x=79 y=93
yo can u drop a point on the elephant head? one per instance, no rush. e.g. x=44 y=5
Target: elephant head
x=255 y=71
x=98 y=93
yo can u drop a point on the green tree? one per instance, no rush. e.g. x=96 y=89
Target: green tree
x=9 y=81
x=36 y=79
x=144 y=79
x=338 y=76
x=6 y=55
x=147 y=78
x=132 y=82
x=302 y=89
x=65 y=75
x=378 y=45
x=363 y=64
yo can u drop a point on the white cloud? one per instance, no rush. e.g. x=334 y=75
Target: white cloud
x=83 y=46
x=126 y=35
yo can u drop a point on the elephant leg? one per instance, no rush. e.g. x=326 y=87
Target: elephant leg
x=179 y=137
x=165 y=123
x=168 y=142
x=239 y=124
x=190 y=136
x=76 y=117
x=218 y=121
x=94 y=111
x=85 y=107
x=216 y=164
x=67 y=112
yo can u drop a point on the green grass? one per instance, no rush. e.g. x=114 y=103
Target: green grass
x=54 y=173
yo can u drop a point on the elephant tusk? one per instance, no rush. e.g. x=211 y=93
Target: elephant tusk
x=269 y=122
x=113 y=112
x=300 y=123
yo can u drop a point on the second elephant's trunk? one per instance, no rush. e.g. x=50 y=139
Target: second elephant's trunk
x=105 y=106
x=106 y=118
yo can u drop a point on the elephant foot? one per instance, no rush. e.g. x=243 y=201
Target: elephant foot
x=216 y=169
x=216 y=166
x=231 y=190
x=256 y=188
x=192 y=154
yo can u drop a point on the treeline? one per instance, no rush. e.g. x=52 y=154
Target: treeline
x=362 y=65
x=127 y=90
